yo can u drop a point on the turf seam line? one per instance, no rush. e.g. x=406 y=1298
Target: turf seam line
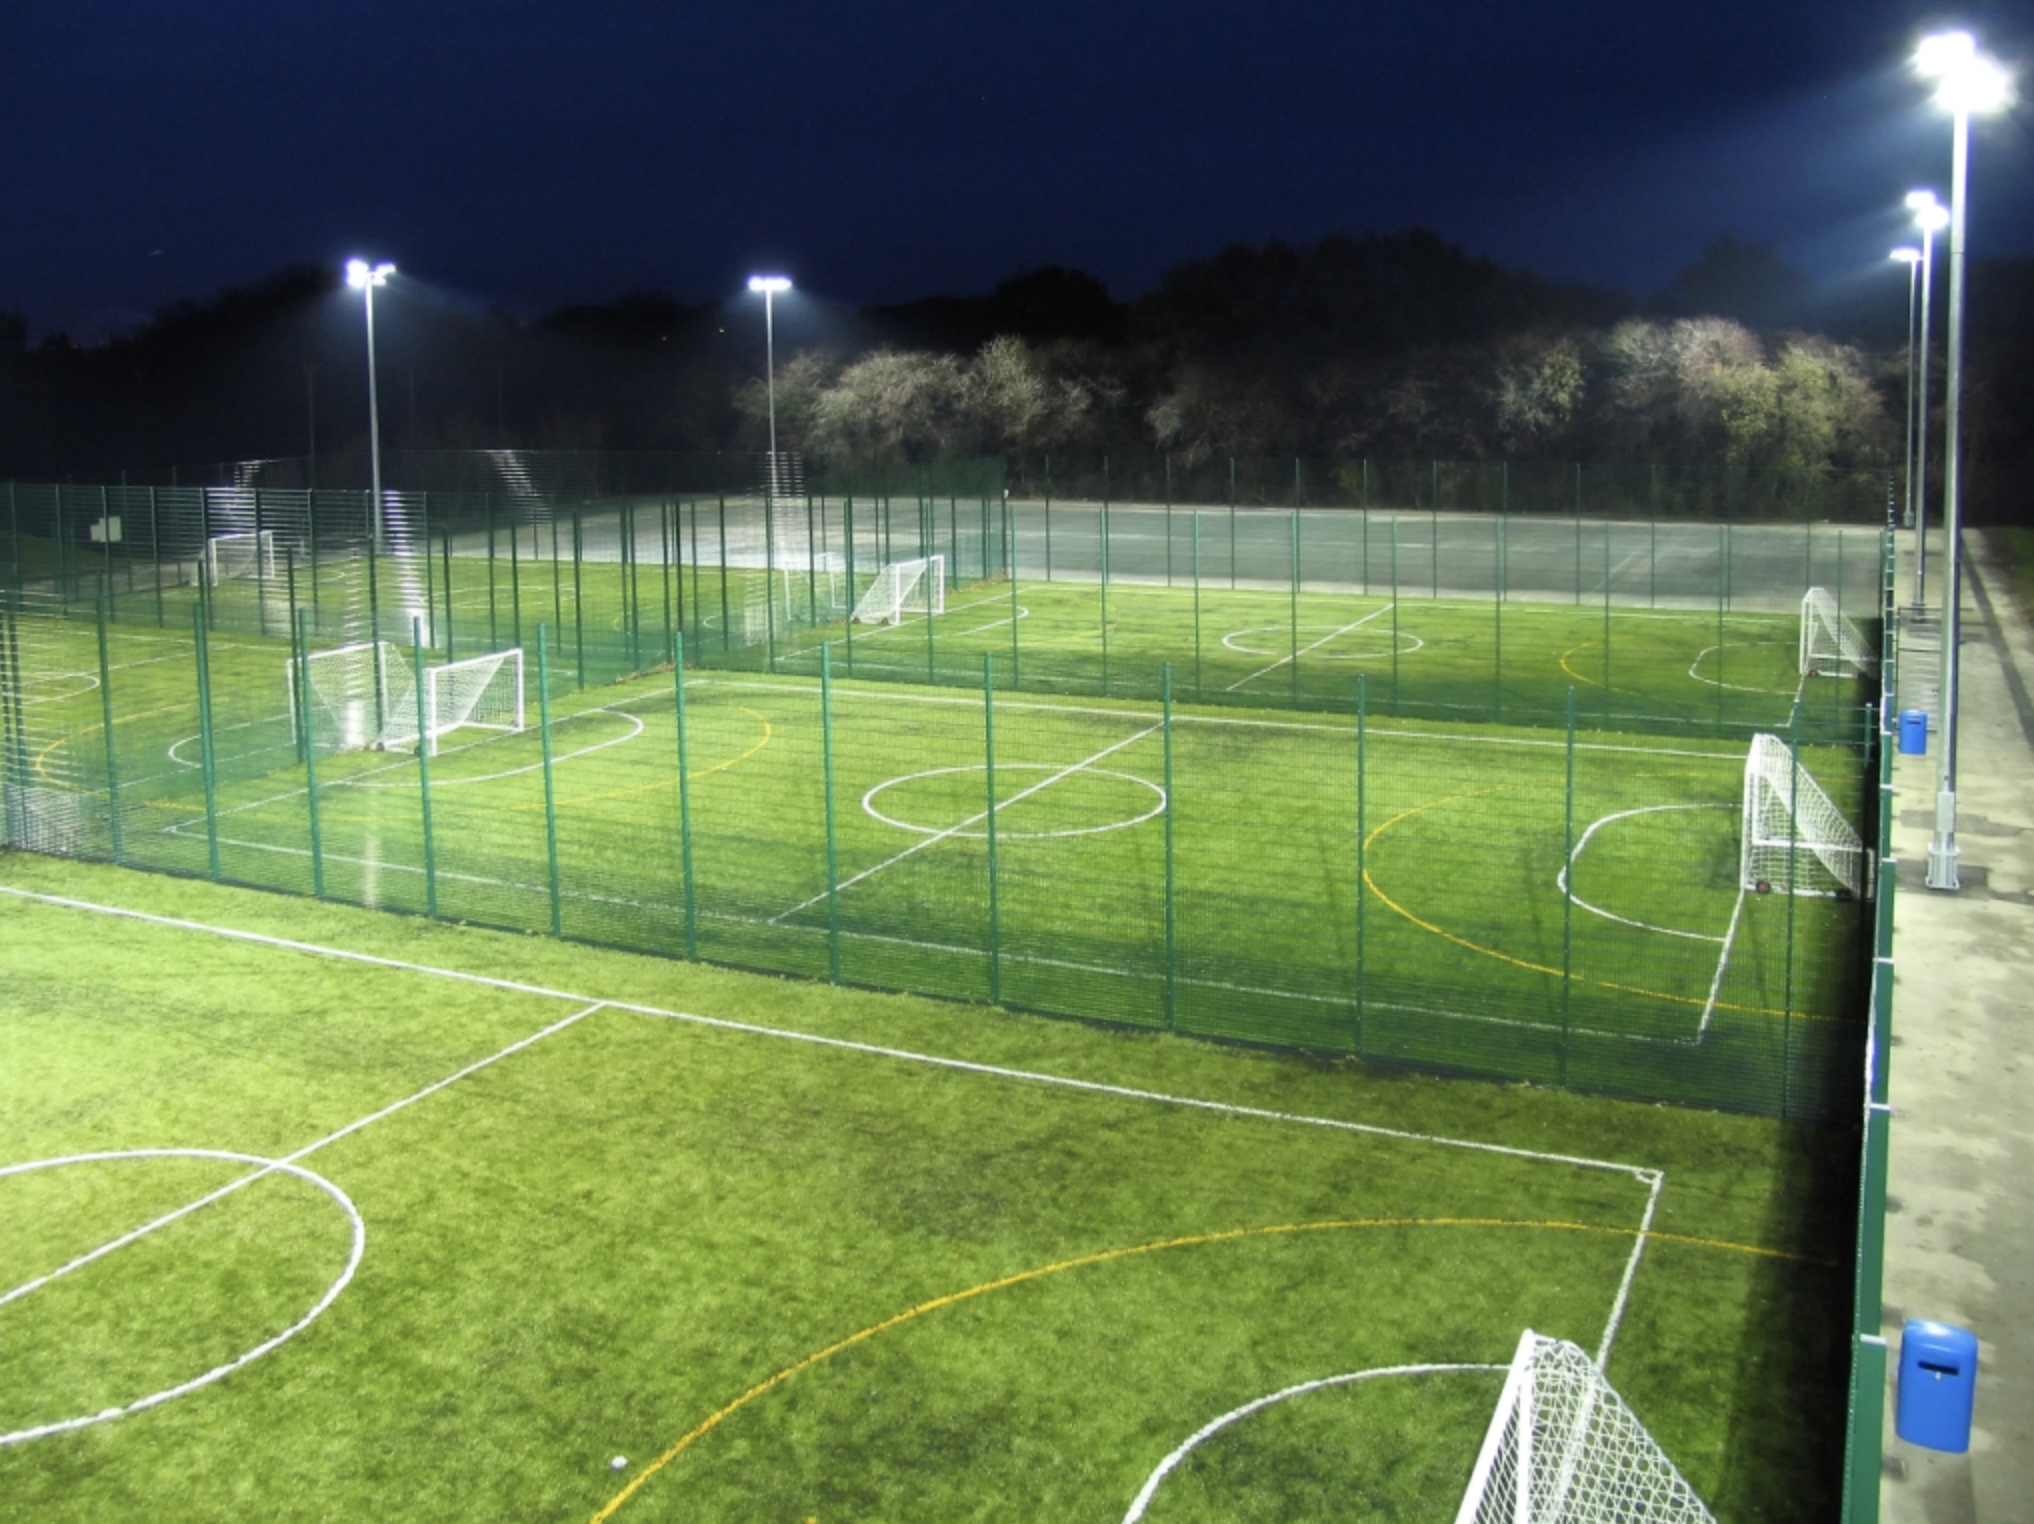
x=1642 y=1173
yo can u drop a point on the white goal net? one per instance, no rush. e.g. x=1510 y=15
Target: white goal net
x=904 y=587
x=365 y=696
x=1563 y=1446
x=240 y=555
x=1831 y=644
x=1795 y=839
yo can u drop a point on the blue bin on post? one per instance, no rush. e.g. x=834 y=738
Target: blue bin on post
x=1914 y=732
x=1938 y=1380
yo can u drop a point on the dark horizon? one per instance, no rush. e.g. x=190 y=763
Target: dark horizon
x=538 y=157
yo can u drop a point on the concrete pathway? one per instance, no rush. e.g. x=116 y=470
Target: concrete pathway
x=1960 y=1223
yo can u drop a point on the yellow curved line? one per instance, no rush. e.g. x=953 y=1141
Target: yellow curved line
x=713 y=1420
x=62 y=741
x=1541 y=968
x=769 y=734
x=1592 y=682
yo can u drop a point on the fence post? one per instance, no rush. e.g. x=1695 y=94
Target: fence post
x=1362 y=849
x=424 y=759
x=1292 y=516
x=826 y=788
x=1232 y=523
x=1395 y=707
x=1197 y=604
x=445 y=559
x=1016 y=610
x=155 y=553
x=1168 y=518
x=207 y=760
x=1171 y=920
x=305 y=711
x=550 y=789
x=989 y=767
x=1105 y=576
x=578 y=600
x=1048 y=518
x=685 y=805
x=1793 y=879
x=1568 y=892
x=106 y=725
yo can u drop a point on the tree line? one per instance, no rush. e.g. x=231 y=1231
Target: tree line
x=1390 y=345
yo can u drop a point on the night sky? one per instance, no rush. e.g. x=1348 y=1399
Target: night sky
x=537 y=152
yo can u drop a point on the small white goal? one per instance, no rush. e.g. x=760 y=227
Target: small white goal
x=1831 y=643
x=240 y=555
x=1563 y=1446
x=1795 y=839
x=365 y=696
x=904 y=587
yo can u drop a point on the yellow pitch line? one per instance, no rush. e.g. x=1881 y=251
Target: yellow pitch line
x=769 y=734
x=1592 y=682
x=64 y=740
x=1541 y=968
x=712 y=1421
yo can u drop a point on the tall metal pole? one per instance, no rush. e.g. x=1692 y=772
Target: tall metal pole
x=1912 y=259
x=374 y=425
x=1921 y=426
x=1942 y=850
x=770 y=383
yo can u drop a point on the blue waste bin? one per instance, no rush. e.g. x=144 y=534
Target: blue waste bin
x=1914 y=732
x=1938 y=1380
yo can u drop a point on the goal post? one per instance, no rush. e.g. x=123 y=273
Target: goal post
x=1794 y=837
x=904 y=587
x=1831 y=643
x=1563 y=1446
x=240 y=555
x=364 y=696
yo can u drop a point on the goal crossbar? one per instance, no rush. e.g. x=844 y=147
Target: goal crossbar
x=251 y=554
x=1794 y=837
x=1562 y=1446
x=365 y=696
x=904 y=587
x=1831 y=643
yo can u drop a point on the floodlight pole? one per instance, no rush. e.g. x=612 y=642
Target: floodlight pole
x=1929 y=219
x=1911 y=258
x=770 y=285
x=1942 y=850
x=364 y=278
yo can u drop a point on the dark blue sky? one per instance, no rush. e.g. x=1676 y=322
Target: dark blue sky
x=535 y=152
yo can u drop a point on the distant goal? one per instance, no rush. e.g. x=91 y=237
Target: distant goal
x=228 y=556
x=1795 y=839
x=1831 y=643
x=364 y=696
x=904 y=587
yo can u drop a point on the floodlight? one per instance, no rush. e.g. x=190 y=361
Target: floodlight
x=1970 y=82
x=769 y=284
x=1930 y=215
x=1907 y=256
x=360 y=275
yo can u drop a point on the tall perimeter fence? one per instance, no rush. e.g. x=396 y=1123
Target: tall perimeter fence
x=1347 y=856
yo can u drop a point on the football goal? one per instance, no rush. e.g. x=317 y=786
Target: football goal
x=240 y=555
x=1795 y=839
x=904 y=587
x=1831 y=644
x=1562 y=1445
x=365 y=696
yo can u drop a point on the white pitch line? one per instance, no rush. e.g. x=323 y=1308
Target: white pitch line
x=1631 y=1265
x=926 y=841
x=1722 y=965
x=35 y=1283
x=1210 y=1429
x=1561 y=878
x=1295 y=655
x=1642 y=1173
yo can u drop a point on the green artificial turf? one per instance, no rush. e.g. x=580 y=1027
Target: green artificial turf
x=1387 y=887
x=595 y=1244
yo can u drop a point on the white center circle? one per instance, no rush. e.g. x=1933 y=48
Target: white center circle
x=976 y=825
x=49 y=687
x=1317 y=642
x=262 y=1166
